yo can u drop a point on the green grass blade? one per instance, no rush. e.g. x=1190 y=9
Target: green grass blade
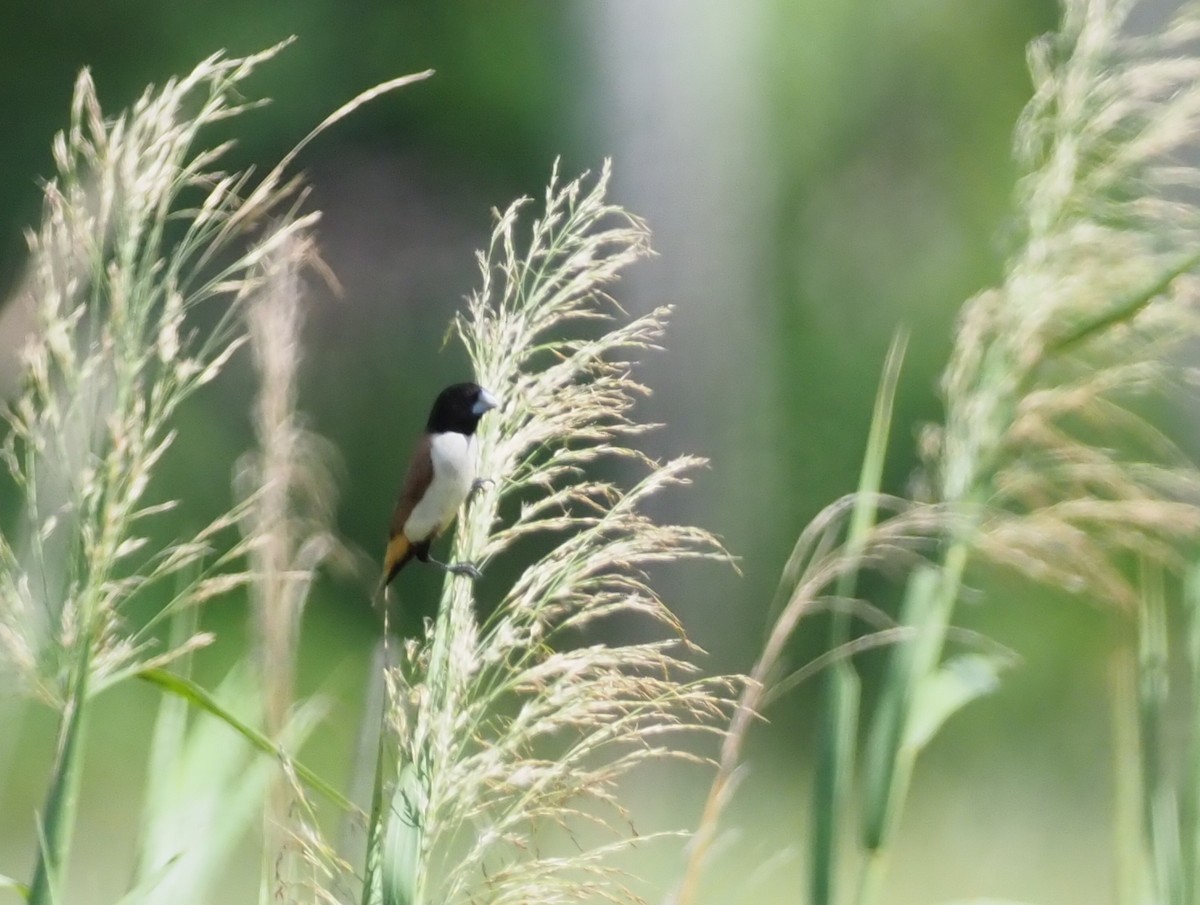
x=835 y=767
x=372 y=892
x=167 y=742
x=198 y=697
x=19 y=888
x=839 y=723
x=401 y=867
x=888 y=728
x=947 y=690
x=870 y=480
x=58 y=818
x=929 y=602
x=210 y=798
x=1161 y=805
x=373 y=736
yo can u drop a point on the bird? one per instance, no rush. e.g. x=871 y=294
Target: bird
x=440 y=477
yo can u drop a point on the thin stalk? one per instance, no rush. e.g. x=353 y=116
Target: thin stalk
x=58 y=817
x=401 y=842
x=835 y=751
x=893 y=759
x=370 y=768
x=1190 y=804
x=371 y=893
x=835 y=766
x=1128 y=862
x=1160 y=805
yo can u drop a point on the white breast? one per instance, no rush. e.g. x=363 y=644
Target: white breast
x=453 y=473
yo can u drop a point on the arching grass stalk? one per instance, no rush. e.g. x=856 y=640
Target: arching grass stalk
x=859 y=532
x=527 y=720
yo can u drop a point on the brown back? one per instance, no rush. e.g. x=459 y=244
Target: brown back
x=416 y=482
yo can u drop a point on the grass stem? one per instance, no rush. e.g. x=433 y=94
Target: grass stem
x=58 y=817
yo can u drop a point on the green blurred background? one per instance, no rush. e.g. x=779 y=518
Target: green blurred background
x=816 y=175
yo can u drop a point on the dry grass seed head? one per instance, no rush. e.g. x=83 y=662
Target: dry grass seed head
x=111 y=359
x=511 y=730
x=1041 y=424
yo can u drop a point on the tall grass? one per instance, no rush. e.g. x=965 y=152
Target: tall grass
x=512 y=723
x=497 y=730
x=141 y=232
x=110 y=362
x=507 y=726
x=1044 y=463
x=291 y=491
x=1044 y=441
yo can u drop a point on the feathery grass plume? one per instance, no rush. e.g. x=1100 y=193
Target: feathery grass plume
x=287 y=478
x=508 y=727
x=1042 y=463
x=291 y=497
x=1039 y=428
x=1052 y=468
x=111 y=360
x=140 y=229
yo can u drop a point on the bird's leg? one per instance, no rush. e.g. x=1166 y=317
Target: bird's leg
x=464 y=569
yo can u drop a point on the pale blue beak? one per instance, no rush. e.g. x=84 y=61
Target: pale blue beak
x=486 y=402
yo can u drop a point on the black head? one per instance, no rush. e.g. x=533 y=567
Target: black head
x=458 y=408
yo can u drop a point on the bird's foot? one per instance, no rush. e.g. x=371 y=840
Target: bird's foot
x=465 y=569
x=477 y=486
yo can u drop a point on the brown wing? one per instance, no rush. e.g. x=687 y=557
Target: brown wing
x=416 y=482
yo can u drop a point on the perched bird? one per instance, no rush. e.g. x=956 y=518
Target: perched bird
x=440 y=476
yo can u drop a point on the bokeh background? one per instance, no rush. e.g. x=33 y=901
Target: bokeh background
x=816 y=175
